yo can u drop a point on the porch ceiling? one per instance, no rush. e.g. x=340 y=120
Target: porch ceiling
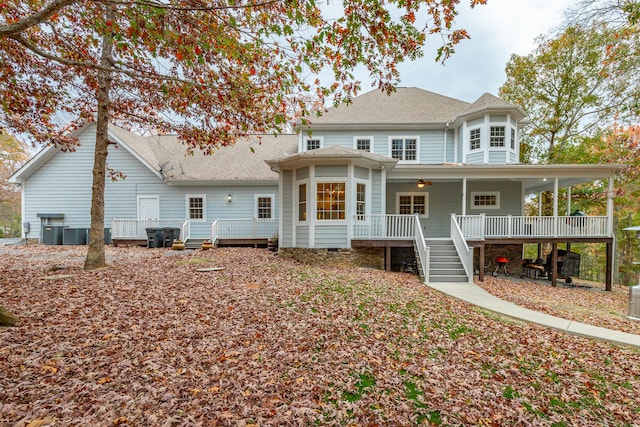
x=535 y=178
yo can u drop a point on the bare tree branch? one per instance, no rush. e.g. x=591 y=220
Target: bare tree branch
x=45 y=13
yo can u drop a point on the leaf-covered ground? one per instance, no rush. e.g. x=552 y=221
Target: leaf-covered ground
x=150 y=341
x=582 y=301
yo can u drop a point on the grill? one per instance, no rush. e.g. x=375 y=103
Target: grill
x=501 y=262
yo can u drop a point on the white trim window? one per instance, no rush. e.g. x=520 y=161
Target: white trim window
x=302 y=202
x=362 y=143
x=485 y=200
x=412 y=203
x=330 y=201
x=361 y=200
x=474 y=139
x=513 y=139
x=264 y=206
x=404 y=148
x=196 y=207
x=496 y=137
x=312 y=143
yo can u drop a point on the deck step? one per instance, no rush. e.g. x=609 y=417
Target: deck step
x=444 y=262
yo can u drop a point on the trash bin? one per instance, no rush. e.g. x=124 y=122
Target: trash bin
x=169 y=234
x=154 y=237
x=634 y=302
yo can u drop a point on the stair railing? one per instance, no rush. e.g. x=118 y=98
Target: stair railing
x=214 y=232
x=423 y=249
x=464 y=251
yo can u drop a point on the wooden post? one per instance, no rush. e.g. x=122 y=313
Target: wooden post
x=554 y=264
x=387 y=258
x=481 y=263
x=609 y=267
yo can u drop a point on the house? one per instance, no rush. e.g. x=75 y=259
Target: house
x=414 y=172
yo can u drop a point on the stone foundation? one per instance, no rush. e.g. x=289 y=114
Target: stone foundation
x=513 y=252
x=349 y=258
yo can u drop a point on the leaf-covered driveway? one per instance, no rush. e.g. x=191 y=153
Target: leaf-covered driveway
x=152 y=341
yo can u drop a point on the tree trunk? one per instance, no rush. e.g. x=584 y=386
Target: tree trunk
x=7 y=318
x=95 y=252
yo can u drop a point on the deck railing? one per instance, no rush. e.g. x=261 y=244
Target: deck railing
x=244 y=228
x=423 y=250
x=134 y=229
x=465 y=253
x=384 y=227
x=482 y=226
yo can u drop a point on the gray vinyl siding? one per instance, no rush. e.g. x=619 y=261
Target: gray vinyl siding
x=512 y=157
x=475 y=122
x=497 y=157
x=460 y=144
x=331 y=171
x=302 y=236
x=476 y=157
x=498 y=118
x=377 y=204
x=360 y=172
x=450 y=147
x=63 y=185
x=286 y=240
x=510 y=197
x=331 y=236
x=432 y=146
x=302 y=173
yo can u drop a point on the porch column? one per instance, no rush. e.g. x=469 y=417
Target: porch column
x=568 y=200
x=610 y=207
x=481 y=262
x=540 y=203
x=464 y=196
x=555 y=207
x=554 y=264
x=609 y=267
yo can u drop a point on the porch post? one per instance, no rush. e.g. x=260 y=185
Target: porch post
x=481 y=263
x=464 y=196
x=609 y=267
x=540 y=203
x=568 y=200
x=554 y=264
x=555 y=207
x=610 y=207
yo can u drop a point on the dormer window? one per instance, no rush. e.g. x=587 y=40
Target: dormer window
x=496 y=137
x=513 y=139
x=474 y=139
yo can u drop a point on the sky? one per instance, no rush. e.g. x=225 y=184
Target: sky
x=498 y=29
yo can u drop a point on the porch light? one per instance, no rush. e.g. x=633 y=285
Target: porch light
x=229 y=198
x=422 y=183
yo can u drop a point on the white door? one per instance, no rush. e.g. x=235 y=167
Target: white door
x=148 y=207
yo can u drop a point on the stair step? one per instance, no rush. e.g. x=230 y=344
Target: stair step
x=447 y=272
x=447 y=278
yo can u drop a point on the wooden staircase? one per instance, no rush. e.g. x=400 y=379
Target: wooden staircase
x=444 y=262
x=194 y=243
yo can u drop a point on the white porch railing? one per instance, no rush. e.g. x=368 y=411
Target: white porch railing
x=134 y=229
x=423 y=250
x=383 y=227
x=464 y=251
x=482 y=226
x=245 y=228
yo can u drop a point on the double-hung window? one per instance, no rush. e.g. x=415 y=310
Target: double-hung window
x=361 y=197
x=474 y=139
x=404 y=149
x=196 y=207
x=302 y=202
x=496 y=136
x=413 y=203
x=264 y=206
x=513 y=139
x=362 y=143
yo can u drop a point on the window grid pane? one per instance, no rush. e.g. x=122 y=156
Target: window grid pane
x=397 y=148
x=485 y=200
x=363 y=144
x=474 y=139
x=313 y=144
x=302 y=202
x=410 y=150
x=330 y=200
x=264 y=207
x=513 y=139
x=496 y=136
x=361 y=207
x=196 y=208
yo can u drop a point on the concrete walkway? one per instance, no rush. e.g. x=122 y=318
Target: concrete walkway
x=477 y=296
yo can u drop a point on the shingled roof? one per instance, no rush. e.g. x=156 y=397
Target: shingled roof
x=245 y=160
x=405 y=105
